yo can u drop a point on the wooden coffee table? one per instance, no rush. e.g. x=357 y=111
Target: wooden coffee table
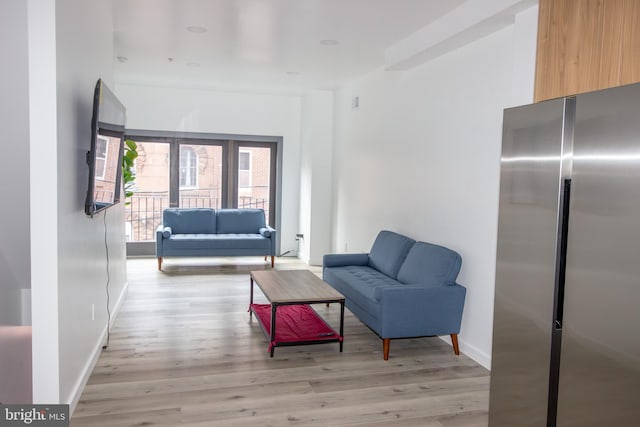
x=288 y=319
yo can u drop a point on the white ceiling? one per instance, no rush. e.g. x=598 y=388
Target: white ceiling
x=266 y=44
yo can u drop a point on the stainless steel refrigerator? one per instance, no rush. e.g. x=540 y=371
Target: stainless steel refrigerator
x=566 y=333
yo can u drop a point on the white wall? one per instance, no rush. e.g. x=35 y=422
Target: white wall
x=316 y=176
x=70 y=47
x=84 y=36
x=14 y=173
x=213 y=111
x=525 y=31
x=421 y=156
x=15 y=277
x=43 y=195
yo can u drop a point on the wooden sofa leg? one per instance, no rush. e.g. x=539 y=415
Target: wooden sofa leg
x=454 y=341
x=160 y=263
x=385 y=348
x=272 y=260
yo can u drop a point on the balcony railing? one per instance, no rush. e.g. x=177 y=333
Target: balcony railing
x=245 y=202
x=143 y=214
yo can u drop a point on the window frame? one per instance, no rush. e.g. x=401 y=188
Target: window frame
x=248 y=171
x=99 y=141
x=230 y=144
x=192 y=167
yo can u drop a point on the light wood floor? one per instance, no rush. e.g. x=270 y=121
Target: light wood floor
x=184 y=353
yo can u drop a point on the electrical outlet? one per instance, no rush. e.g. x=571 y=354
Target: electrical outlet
x=345 y=247
x=93 y=312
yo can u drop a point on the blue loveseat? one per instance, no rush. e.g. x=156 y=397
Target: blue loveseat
x=214 y=232
x=401 y=288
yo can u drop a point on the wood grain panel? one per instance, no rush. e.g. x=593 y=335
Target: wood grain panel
x=630 y=66
x=586 y=45
x=570 y=62
x=549 y=43
x=611 y=48
x=294 y=286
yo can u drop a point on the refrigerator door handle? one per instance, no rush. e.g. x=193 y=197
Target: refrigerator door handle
x=561 y=261
x=558 y=305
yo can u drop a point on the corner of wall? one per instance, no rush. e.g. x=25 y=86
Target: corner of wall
x=78 y=388
x=43 y=115
x=471 y=351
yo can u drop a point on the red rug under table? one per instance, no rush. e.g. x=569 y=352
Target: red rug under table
x=294 y=323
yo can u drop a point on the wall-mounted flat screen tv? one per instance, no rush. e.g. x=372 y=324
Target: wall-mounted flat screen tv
x=105 y=156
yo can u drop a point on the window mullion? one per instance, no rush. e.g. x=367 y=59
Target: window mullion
x=174 y=173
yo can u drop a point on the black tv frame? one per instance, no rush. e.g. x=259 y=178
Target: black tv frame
x=108 y=120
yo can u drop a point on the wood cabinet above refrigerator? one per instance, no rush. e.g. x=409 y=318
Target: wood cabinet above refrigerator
x=586 y=45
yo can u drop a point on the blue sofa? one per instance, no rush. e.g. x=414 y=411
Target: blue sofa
x=214 y=232
x=401 y=288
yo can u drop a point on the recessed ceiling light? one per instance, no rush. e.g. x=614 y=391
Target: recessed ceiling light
x=196 y=29
x=122 y=59
x=329 y=42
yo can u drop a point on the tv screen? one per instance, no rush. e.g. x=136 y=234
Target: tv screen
x=105 y=156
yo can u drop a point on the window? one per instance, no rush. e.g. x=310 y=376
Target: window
x=188 y=167
x=206 y=191
x=256 y=172
x=101 y=157
x=244 y=170
x=194 y=172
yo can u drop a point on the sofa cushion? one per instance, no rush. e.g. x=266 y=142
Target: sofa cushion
x=389 y=251
x=216 y=241
x=430 y=264
x=190 y=221
x=359 y=283
x=240 y=221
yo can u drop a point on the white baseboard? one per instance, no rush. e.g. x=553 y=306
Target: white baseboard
x=471 y=351
x=76 y=393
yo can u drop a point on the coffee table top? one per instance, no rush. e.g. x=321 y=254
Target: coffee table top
x=294 y=286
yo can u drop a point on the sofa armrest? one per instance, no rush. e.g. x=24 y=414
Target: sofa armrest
x=341 y=260
x=265 y=231
x=272 y=233
x=420 y=310
x=162 y=233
